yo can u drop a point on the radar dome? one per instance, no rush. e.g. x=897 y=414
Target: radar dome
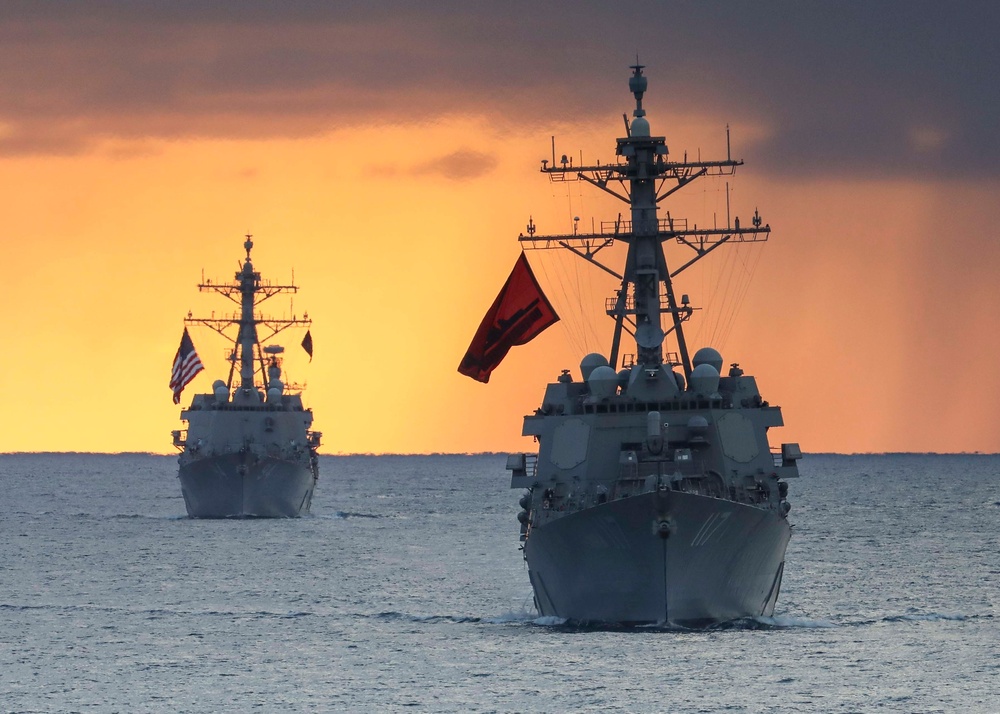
x=705 y=379
x=698 y=425
x=589 y=363
x=218 y=383
x=603 y=382
x=697 y=429
x=707 y=355
x=274 y=394
x=639 y=127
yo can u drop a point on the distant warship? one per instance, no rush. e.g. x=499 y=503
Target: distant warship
x=654 y=496
x=248 y=450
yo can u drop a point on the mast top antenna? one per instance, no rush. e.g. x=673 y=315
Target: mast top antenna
x=248 y=245
x=637 y=84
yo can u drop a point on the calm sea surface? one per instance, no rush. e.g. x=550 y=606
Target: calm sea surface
x=405 y=590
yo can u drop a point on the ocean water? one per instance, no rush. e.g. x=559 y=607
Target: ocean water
x=405 y=591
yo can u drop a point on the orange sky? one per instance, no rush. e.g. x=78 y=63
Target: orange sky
x=870 y=318
x=851 y=322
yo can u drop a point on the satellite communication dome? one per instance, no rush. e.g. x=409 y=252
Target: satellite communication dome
x=589 y=363
x=705 y=380
x=707 y=355
x=603 y=382
x=639 y=127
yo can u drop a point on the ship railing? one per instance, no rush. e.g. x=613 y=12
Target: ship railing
x=665 y=225
x=531 y=465
x=611 y=305
x=671 y=359
x=635 y=478
x=752 y=496
x=616 y=405
x=180 y=437
x=259 y=407
x=776 y=456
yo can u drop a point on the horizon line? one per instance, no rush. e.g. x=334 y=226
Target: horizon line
x=490 y=453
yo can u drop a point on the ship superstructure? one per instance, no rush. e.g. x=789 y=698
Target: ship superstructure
x=248 y=449
x=654 y=496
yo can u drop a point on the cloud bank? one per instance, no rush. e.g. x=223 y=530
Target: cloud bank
x=898 y=87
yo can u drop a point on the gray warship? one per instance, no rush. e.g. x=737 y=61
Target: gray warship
x=654 y=496
x=248 y=450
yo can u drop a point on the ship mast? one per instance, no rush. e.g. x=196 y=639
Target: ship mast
x=248 y=292
x=247 y=339
x=646 y=285
x=645 y=266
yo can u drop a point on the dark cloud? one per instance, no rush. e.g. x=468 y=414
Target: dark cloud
x=459 y=165
x=896 y=87
x=464 y=164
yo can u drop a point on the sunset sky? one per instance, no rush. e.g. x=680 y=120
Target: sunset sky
x=388 y=153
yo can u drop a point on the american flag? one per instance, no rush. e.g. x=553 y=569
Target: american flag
x=186 y=366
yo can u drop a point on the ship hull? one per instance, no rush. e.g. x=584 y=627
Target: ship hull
x=227 y=486
x=720 y=561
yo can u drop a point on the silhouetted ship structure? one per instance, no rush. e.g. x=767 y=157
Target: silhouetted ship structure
x=248 y=450
x=654 y=496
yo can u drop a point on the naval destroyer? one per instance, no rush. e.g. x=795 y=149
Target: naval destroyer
x=654 y=496
x=248 y=450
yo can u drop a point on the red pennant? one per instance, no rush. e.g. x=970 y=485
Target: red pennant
x=520 y=312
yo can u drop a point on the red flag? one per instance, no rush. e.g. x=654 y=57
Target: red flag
x=307 y=344
x=520 y=312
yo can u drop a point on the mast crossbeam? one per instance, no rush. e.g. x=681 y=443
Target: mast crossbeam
x=708 y=236
x=669 y=229
x=587 y=242
x=233 y=291
x=682 y=171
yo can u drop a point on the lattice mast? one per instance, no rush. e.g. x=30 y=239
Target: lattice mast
x=646 y=177
x=248 y=291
